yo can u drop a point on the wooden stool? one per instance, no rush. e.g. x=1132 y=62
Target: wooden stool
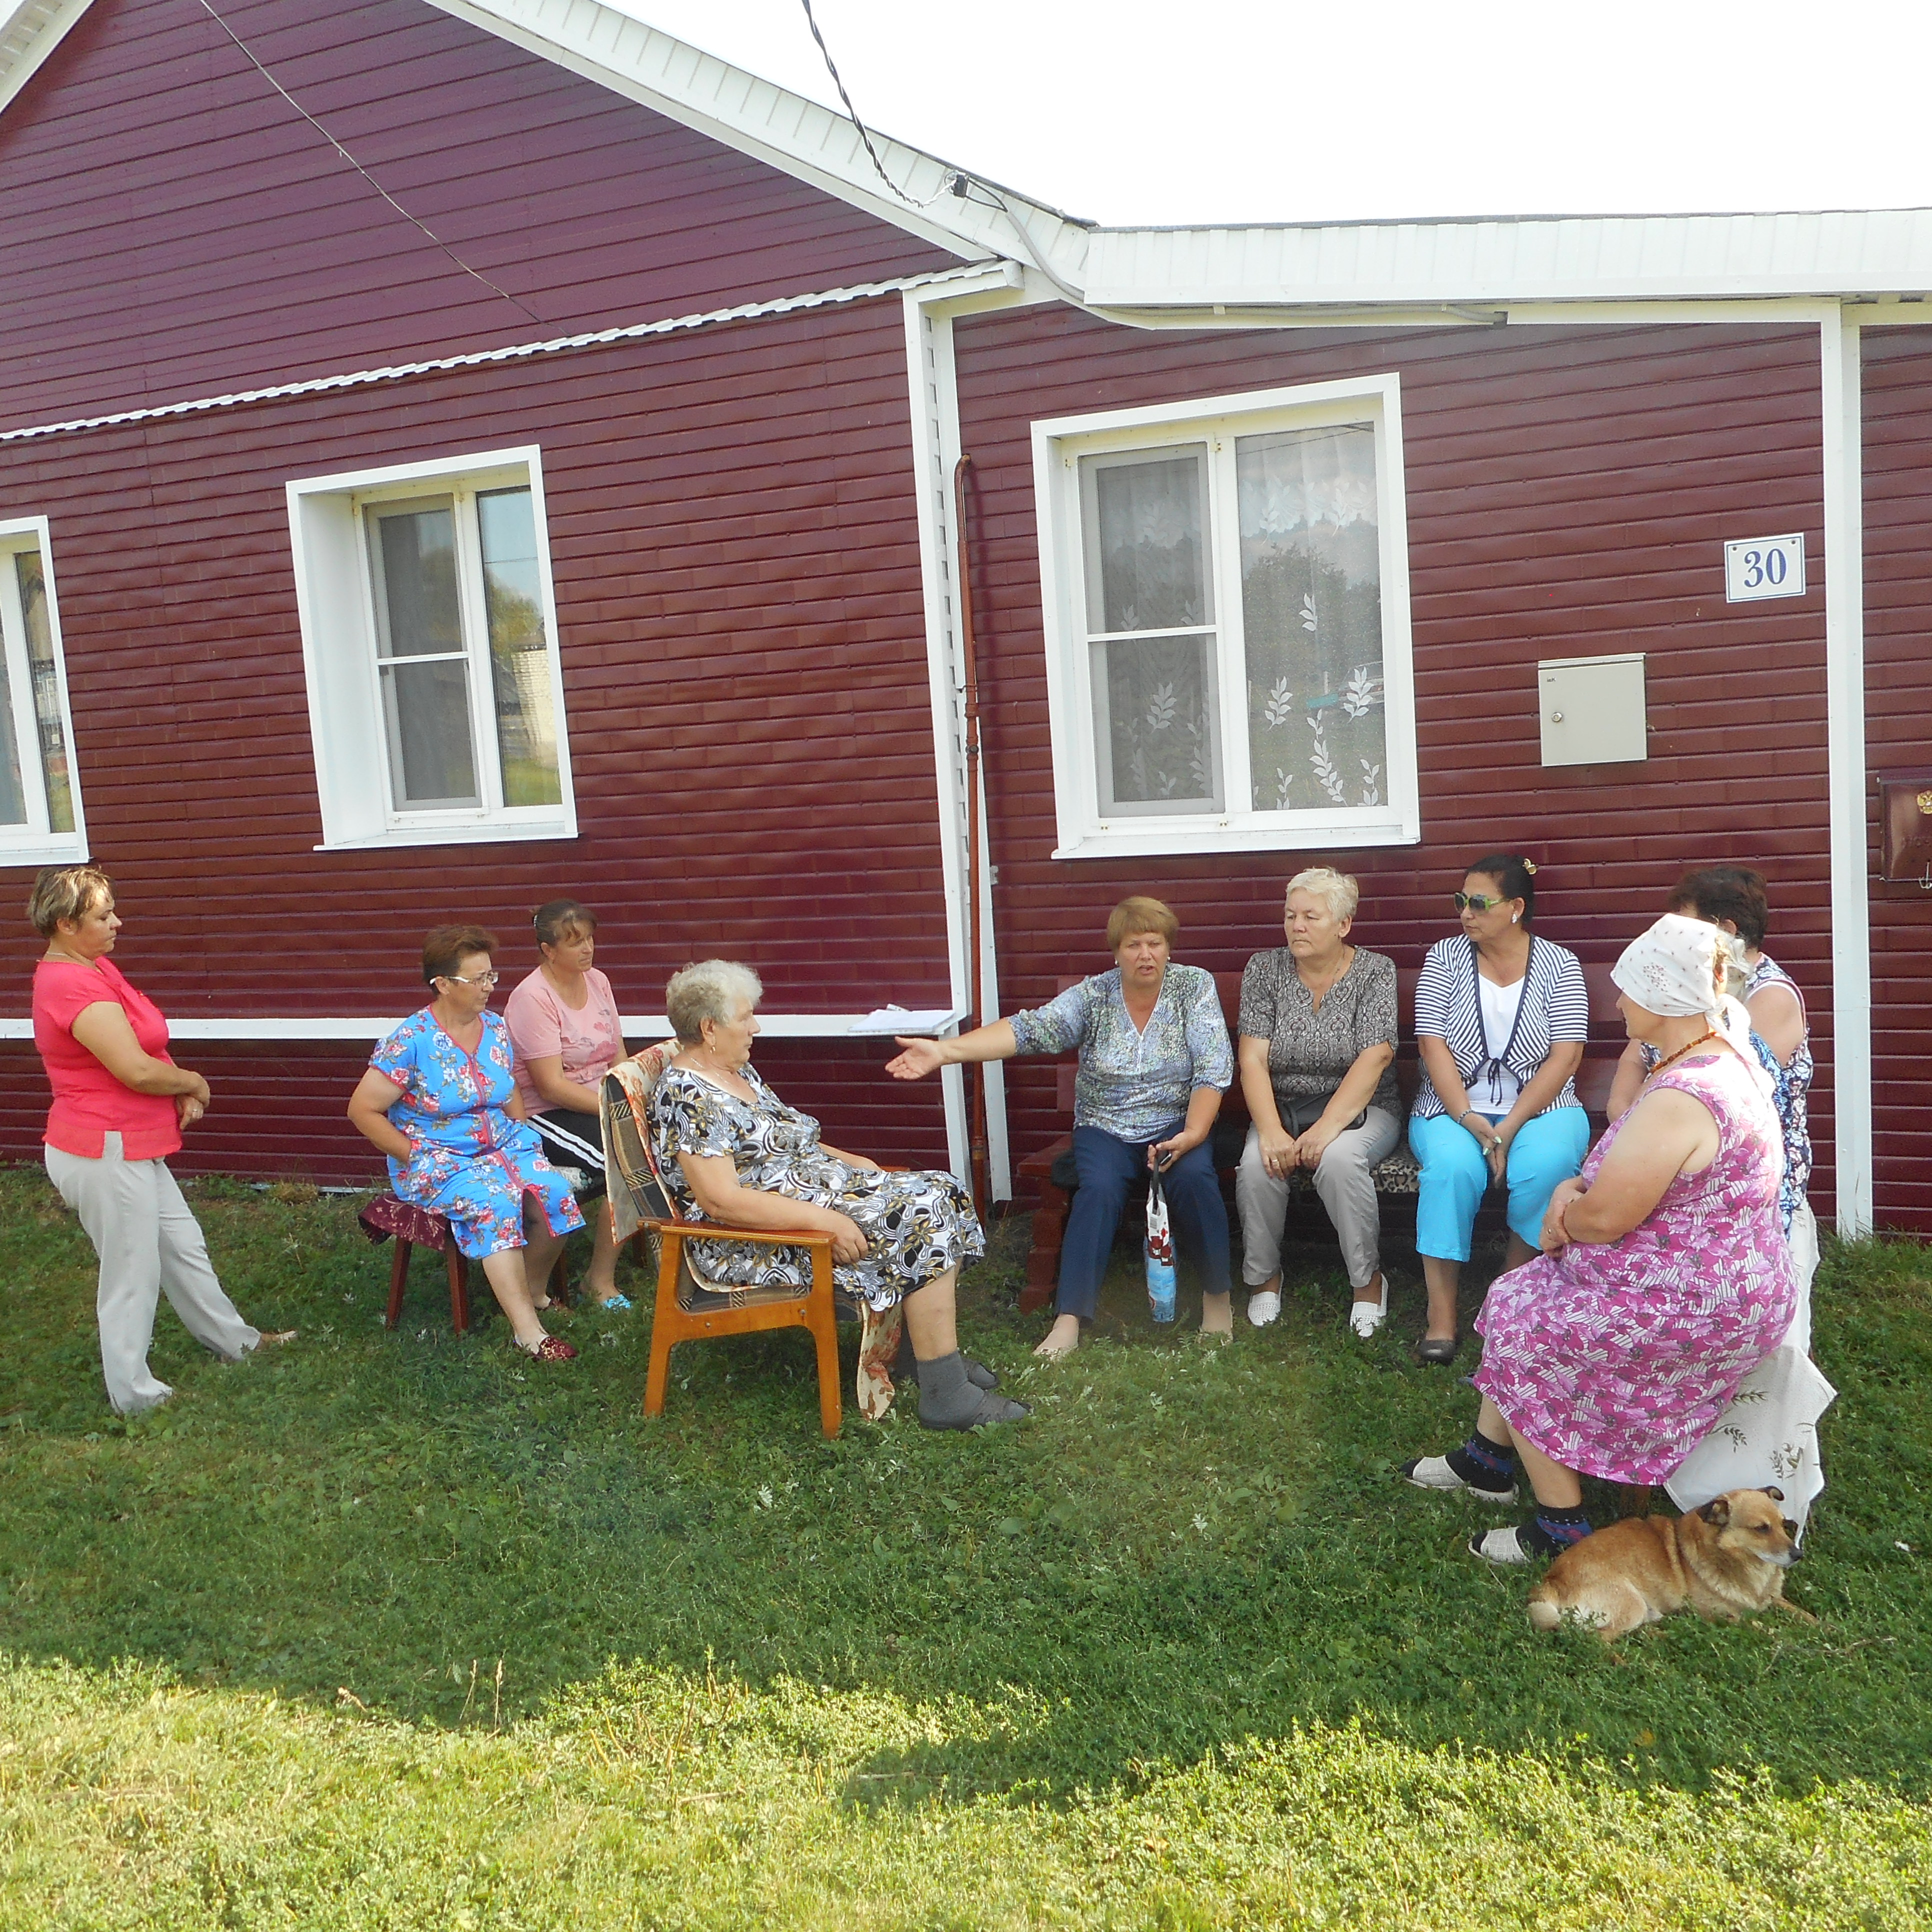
x=386 y=1217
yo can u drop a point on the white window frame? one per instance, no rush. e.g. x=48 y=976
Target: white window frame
x=35 y=843
x=1375 y=401
x=335 y=602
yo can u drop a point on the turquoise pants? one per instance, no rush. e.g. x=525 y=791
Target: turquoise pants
x=1545 y=1150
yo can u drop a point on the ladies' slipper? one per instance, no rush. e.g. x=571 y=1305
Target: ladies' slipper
x=551 y=1348
x=1366 y=1317
x=1504 y=1546
x=1263 y=1307
x=1433 y=1472
x=1438 y=1351
x=620 y=1304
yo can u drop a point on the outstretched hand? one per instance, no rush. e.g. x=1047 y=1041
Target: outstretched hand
x=921 y=1057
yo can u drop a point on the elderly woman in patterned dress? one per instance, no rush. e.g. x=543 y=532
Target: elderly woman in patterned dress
x=730 y=1149
x=1769 y=1435
x=440 y=1100
x=1665 y=1278
x=1154 y=1062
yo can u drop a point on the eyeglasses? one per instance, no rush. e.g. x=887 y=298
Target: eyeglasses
x=1476 y=901
x=488 y=978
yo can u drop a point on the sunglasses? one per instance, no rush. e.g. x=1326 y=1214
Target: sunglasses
x=1476 y=901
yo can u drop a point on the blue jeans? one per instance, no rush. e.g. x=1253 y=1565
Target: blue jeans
x=1455 y=1176
x=1108 y=1168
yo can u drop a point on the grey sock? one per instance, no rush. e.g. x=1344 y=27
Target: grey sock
x=905 y=1365
x=948 y=1398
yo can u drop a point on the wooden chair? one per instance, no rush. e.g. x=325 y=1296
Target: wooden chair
x=690 y=1306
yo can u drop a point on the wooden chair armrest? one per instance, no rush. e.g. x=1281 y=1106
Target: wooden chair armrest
x=717 y=1231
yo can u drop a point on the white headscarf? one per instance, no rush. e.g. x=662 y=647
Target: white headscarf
x=1674 y=971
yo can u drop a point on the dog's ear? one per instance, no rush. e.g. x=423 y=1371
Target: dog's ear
x=1717 y=1512
x=1774 y=1492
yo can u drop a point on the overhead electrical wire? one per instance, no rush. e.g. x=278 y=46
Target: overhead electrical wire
x=475 y=273
x=956 y=182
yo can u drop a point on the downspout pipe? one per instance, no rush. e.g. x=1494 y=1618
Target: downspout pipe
x=974 y=858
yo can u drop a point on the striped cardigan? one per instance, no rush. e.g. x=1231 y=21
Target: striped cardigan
x=1555 y=1006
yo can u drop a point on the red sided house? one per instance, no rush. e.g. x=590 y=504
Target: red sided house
x=458 y=452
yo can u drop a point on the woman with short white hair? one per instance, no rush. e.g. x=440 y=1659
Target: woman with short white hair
x=730 y=1151
x=1317 y=1059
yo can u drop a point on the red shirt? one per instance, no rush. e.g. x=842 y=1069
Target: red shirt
x=88 y=1101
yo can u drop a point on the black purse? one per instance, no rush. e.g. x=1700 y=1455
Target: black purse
x=1298 y=1116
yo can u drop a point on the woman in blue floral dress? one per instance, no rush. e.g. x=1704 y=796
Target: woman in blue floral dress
x=439 y=1098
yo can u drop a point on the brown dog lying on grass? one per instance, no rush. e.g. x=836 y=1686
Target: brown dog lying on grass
x=1722 y=1560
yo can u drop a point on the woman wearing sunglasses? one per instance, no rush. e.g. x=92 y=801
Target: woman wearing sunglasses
x=1501 y=1018
x=440 y=1100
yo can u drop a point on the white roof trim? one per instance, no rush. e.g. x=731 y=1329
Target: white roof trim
x=810 y=143
x=1137 y=273
x=30 y=30
x=1567 y=258
x=938 y=279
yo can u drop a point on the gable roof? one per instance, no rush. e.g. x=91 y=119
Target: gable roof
x=1145 y=271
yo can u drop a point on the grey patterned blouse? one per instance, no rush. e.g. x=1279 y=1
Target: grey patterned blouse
x=1132 y=1085
x=1308 y=1052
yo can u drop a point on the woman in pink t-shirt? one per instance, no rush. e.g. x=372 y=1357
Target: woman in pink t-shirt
x=120 y=1104
x=564 y=1024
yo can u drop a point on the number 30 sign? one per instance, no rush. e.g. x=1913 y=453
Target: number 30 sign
x=1757 y=567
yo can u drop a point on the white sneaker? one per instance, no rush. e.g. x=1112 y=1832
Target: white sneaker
x=1263 y=1307
x=1365 y=1319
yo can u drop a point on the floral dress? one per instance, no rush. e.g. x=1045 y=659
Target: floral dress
x=919 y=1225
x=1615 y=1358
x=471 y=1162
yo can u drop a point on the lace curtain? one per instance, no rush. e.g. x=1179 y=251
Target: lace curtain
x=1156 y=700
x=1311 y=607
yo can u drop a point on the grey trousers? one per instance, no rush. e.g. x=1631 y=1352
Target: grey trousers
x=149 y=1241
x=1345 y=1182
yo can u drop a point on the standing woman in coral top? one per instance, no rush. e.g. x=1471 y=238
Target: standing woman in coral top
x=120 y=1104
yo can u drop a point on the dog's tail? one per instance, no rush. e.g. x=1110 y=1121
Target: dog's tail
x=1543 y=1614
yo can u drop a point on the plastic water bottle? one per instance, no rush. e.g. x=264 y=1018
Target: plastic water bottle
x=1159 y=1255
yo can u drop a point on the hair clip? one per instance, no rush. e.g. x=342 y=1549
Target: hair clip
x=1529 y=866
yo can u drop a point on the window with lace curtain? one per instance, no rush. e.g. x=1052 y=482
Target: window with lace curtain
x=1226 y=594
x=40 y=795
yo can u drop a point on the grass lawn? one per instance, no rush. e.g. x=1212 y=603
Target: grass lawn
x=397 y=1630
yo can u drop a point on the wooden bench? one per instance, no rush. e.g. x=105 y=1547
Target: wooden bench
x=1051 y=1172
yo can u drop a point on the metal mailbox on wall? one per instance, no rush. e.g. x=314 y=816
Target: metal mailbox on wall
x=1591 y=710
x=1905 y=826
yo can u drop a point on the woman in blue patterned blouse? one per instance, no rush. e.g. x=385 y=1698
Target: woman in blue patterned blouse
x=1154 y=1062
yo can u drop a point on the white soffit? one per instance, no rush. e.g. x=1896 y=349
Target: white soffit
x=30 y=30
x=1528 y=258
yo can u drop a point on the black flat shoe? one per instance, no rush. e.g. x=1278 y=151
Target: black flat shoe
x=1439 y=1353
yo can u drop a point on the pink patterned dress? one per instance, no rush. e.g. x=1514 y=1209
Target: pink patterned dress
x=1616 y=1358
